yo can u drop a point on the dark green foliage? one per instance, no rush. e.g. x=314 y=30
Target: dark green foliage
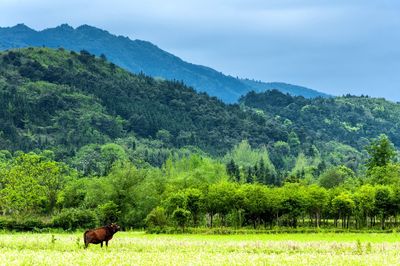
x=181 y=217
x=108 y=212
x=384 y=203
x=156 y=218
x=233 y=170
x=23 y=223
x=335 y=176
x=194 y=204
x=381 y=152
x=71 y=219
x=66 y=101
x=348 y=120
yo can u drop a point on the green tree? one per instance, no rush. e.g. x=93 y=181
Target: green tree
x=384 y=203
x=181 y=217
x=156 y=218
x=31 y=184
x=174 y=201
x=335 y=176
x=255 y=202
x=364 y=199
x=381 y=152
x=194 y=203
x=293 y=202
x=112 y=153
x=108 y=212
x=317 y=201
x=244 y=156
x=221 y=199
x=385 y=175
x=233 y=170
x=343 y=205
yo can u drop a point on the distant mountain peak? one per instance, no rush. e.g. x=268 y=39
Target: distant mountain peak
x=65 y=26
x=22 y=27
x=91 y=29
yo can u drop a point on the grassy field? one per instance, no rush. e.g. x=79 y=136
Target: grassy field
x=136 y=248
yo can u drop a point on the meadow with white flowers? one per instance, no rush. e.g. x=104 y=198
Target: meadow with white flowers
x=138 y=248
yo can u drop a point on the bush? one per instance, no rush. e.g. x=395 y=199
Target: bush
x=156 y=218
x=181 y=217
x=22 y=224
x=108 y=212
x=72 y=219
x=6 y=223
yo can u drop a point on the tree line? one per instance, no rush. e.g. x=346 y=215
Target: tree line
x=198 y=191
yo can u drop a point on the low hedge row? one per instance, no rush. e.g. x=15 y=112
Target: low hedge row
x=68 y=219
x=282 y=230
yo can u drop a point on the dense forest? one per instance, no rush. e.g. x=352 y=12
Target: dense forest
x=84 y=142
x=66 y=100
x=348 y=119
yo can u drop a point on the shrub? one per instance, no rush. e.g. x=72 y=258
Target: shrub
x=156 y=218
x=72 y=219
x=108 y=212
x=22 y=223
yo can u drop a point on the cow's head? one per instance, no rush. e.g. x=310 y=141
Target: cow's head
x=115 y=227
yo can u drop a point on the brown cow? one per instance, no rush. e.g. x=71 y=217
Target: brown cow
x=99 y=235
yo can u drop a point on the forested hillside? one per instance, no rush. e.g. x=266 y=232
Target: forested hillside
x=137 y=56
x=61 y=100
x=65 y=101
x=349 y=119
x=84 y=142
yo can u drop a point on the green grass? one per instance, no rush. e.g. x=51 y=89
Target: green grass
x=137 y=248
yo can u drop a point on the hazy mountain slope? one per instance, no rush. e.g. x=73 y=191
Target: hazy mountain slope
x=294 y=90
x=136 y=56
x=133 y=55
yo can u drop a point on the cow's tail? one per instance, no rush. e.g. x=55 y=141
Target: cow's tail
x=85 y=240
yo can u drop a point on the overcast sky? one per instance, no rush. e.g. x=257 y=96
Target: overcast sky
x=335 y=46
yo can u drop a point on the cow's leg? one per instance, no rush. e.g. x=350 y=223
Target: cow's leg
x=106 y=243
x=101 y=244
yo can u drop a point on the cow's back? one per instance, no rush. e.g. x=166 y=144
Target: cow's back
x=95 y=236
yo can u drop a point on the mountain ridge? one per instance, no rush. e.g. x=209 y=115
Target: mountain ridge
x=136 y=56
